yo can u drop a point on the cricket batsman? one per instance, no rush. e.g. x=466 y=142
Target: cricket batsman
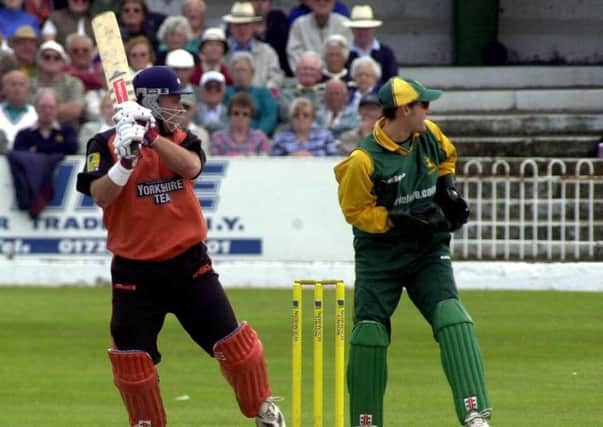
x=397 y=190
x=141 y=173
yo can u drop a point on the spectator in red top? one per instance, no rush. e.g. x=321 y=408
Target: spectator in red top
x=80 y=51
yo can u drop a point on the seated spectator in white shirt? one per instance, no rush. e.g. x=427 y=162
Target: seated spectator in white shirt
x=15 y=112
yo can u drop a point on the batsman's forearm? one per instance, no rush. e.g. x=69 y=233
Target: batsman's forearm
x=180 y=160
x=104 y=191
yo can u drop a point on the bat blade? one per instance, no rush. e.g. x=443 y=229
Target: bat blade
x=113 y=56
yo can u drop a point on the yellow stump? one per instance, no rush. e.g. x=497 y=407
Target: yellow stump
x=317 y=359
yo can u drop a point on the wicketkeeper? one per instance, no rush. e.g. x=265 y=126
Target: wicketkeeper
x=398 y=192
x=142 y=175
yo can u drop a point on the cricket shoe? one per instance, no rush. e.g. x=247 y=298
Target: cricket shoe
x=476 y=419
x=270 y=415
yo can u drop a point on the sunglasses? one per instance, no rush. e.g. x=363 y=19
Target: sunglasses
x=423 y=104
x=132 y=10
x=47 y=57
x=237 y=113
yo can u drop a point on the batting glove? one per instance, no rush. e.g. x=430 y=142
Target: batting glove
x=131 y=112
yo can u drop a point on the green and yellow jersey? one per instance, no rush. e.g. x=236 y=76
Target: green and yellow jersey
x=382 y=174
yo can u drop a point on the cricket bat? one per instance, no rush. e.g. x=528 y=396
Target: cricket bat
x=113 y=57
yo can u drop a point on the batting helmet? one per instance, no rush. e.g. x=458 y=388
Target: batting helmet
x=152 y=82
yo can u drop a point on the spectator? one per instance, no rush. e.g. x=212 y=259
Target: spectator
x=194 y=11
x=266 y=111
x=303 y=138
x=310 y=31
x=335 y=54
x=364 y=43
x=12 y=16
x=174 y=33
x=239 y=139
x=15 y=112
x=366 y=74
x=140 y=53
x=212 y=50
x=211 y=112
x=303 y=8
x=80 y=49
x=68 y=89
x=75 y=18
x=370 y=111
x=338 y=115
x=47 y=135
x=190 y=110
x=3 y=143
x=132 y=18
x=265 y=60
x=308 y=75
x=181 y=61
x=41 y=9
x=100 y=124
x=274 y=30
x=25 y=43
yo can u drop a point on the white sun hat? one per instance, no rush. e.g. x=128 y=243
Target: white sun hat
x=242 y=13
x=362 y=17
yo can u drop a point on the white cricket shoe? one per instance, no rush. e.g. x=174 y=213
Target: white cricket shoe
x=270 y=415
x=476 y=419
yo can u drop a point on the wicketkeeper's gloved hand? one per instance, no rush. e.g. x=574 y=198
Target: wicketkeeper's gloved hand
x=422 y=219
x=449 y=199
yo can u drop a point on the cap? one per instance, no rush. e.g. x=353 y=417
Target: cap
x=215 y=34
x=179 y=58
x=369 y=99
x=52 y=45
x=362 y=17
x=212 y=76
x=399 y=91
x=241 y=13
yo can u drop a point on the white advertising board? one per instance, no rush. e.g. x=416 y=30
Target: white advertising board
x=273 y=209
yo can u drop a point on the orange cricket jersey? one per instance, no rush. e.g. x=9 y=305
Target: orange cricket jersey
x=157 y=215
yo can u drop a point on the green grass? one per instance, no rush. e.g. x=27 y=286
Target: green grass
x=543 y=354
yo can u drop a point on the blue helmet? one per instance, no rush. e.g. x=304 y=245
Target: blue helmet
x=152 y=82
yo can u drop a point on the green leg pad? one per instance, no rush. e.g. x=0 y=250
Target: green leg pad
x=461 y=357
x=367 y=373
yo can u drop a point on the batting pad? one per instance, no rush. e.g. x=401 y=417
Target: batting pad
x=367 y=373
x=136 y=379
x=461 y=357
x=241 y=358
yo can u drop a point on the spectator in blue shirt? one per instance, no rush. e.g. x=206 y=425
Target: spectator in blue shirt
x=47 y=135
x=303 y=139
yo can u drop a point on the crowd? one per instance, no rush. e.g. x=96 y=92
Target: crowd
x=249 y=74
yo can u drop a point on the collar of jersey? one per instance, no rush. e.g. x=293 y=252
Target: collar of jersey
x=386 y=142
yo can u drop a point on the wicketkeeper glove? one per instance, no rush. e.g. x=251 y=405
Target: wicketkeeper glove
x=426 y=218
x=449 y=199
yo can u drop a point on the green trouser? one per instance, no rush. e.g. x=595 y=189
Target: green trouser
x=383 y=268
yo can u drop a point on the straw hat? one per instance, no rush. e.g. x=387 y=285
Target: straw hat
x=24 y=32
x=241 y=13
x=362 y=17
